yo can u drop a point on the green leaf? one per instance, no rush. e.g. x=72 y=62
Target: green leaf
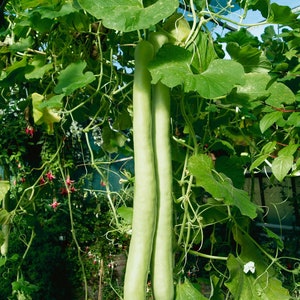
x=269 y=119
x=205 y=46
x=220 y=186
x=263 y=284
x=254 y=87
x=3 y=259
x=257 y=162
x=288 y=150
x=112 y=140
x=37 y=67
x=218 y=80
x=294 y=119
x=281 y=166
x=281 y=15
x=129 y=15
x=241 y=37
x=186 y=291
x=34 y=3
x=22 y=44
x=126 y=213
x=53 y=102
x=172 y=67
x=73 y=78
x=4 y=216
x=280 y=94
x=4 y=188
x=275 y=237
x=49 y=12
x=269 y=147
x=248 y=286
x=246 y=55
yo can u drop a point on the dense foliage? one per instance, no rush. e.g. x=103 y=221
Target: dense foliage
x=66 y=144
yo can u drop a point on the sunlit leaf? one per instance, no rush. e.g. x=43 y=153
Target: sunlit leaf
x=73 y=78
x=281 y=166
x=279 y=94
x=4 y=216
x=218 y=80
x=172 y=67
x=288 y=150
x=4 y=187
x=294 y=119
x=129 y=15
x=44 y=114
x=282 y=15
x=257 y=162
x=250 y=57
x=126 y=213
x=220 y=186
x=269 y=119
x=186 y=291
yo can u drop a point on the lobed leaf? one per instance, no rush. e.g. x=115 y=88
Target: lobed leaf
x=173 y=67
x=129 y=15
x=72 y=78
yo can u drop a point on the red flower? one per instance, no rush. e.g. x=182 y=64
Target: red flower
x=29 y=130
x=54 y=204
x=50 y=176
x=69 y=181
x=42 y=180
x=72 y=189
x=64 y=191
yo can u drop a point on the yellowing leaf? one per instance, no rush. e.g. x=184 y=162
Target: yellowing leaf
x=43 y=114
x=4 y=187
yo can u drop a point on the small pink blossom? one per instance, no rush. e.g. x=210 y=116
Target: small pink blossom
x=42 y=180
x=50 y=176
x=54 y=205
x=29 y=130
x=69 y=181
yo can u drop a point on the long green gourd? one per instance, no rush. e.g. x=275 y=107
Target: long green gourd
x=145 y=204
x=162 y=258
